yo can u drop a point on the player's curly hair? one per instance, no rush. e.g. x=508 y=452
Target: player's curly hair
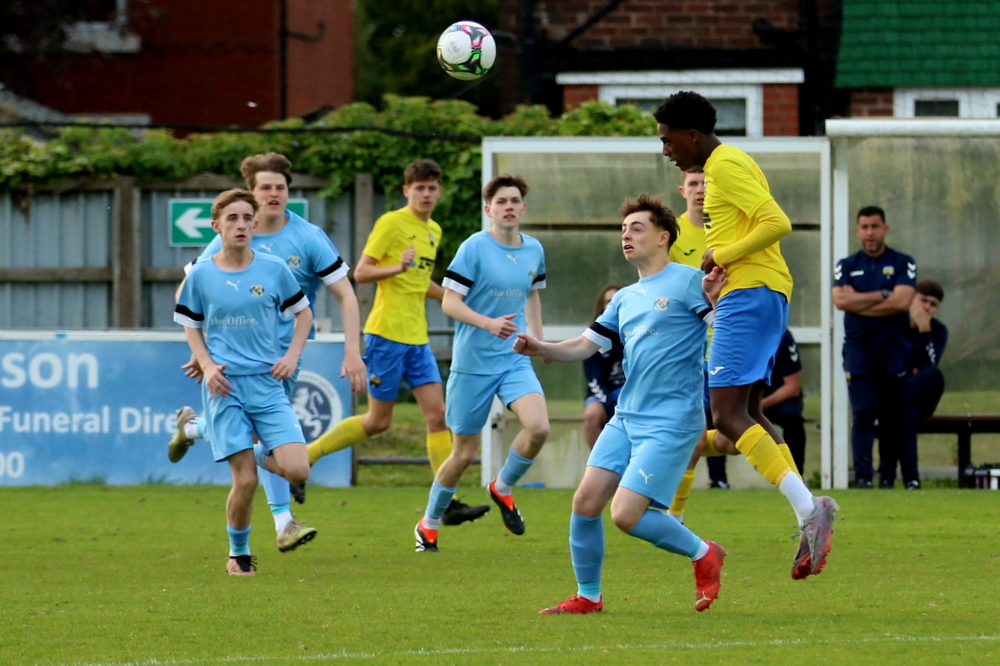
x=232 y=196
x=663 y=218
x=273 y=162
x=686 y=111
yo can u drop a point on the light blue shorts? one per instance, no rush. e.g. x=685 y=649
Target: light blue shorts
x=256 y=404
x=289 y=384
x=469 y=396
x=390 y=362
x=650 y=458
x=749 y=324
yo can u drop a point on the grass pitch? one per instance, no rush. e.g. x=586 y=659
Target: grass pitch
x=135 y=575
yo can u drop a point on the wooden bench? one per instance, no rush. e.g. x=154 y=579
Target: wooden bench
x=965 y=426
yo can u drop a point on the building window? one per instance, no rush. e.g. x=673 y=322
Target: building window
x=737 y=95
x=731 y=114
x=946 y=102
x=935 y=108
x=100 y=26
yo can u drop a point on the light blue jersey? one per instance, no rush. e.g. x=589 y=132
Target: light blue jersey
x=495 y=280
x=659 y=320
x=239 y=311
x=309 y=254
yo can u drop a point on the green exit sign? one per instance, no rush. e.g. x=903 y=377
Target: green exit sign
x=191 y=220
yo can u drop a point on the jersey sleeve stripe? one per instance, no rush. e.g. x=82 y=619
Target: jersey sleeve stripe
x=336 y=271
x=708 y=316
x=600 y=335
x=457 y=283
x=296 y=303
x=538 y=278
x=185 y=317
x=190 y=314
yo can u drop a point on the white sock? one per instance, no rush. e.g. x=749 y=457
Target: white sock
x=431 y=523
x=798 y=495
x=596 y=598
x=191 y=429
x=679 y=517
x=282 y=519
x=502 y=487
x=702 y=551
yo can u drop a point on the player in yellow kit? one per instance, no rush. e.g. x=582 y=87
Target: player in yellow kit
x=743 y=224
x=399 y=255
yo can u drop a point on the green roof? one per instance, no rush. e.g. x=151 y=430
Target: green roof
x=919 y=43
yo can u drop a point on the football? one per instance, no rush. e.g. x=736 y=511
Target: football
x=466 y=50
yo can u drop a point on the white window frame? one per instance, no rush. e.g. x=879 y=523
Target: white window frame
x=972 y=102
x=103 y=36
x=747 y=84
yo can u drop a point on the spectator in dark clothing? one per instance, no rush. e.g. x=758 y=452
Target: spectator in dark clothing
x=874 y=288
x=605 y=378
x=925 y=383
x=782 y=401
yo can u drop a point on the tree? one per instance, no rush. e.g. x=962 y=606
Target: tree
x=396 y=50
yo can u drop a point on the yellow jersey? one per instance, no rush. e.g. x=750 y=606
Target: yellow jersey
x=735 y=188
x=399 y=312
x=689 y=247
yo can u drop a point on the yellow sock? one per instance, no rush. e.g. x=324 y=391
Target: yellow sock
x=438 y=448
x=786 y=453
x=761 y=452
x=346 y=433
x=683 y=492
x=710 y=451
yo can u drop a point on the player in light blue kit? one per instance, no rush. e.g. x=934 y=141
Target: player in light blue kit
x=313 y=259
x=230 y=307
x=491 y=290
x=644 y=449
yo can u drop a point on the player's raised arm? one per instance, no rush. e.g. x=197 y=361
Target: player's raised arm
x=576 y=349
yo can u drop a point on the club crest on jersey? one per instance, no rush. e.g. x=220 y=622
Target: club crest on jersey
x=294 y=261
x=661 y=303
x=888 y=270
x=257 y=289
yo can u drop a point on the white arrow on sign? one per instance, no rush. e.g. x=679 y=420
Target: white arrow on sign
x=190 y=223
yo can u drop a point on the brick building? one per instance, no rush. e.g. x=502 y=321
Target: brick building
x=201 y=63
x=768 y=65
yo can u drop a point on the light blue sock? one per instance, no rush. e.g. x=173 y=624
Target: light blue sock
x=586 y=546
x=514 y=468
x=664 y=532
x=201 y=427
x=438 y=500
x=276 y=489
x=239 y=541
